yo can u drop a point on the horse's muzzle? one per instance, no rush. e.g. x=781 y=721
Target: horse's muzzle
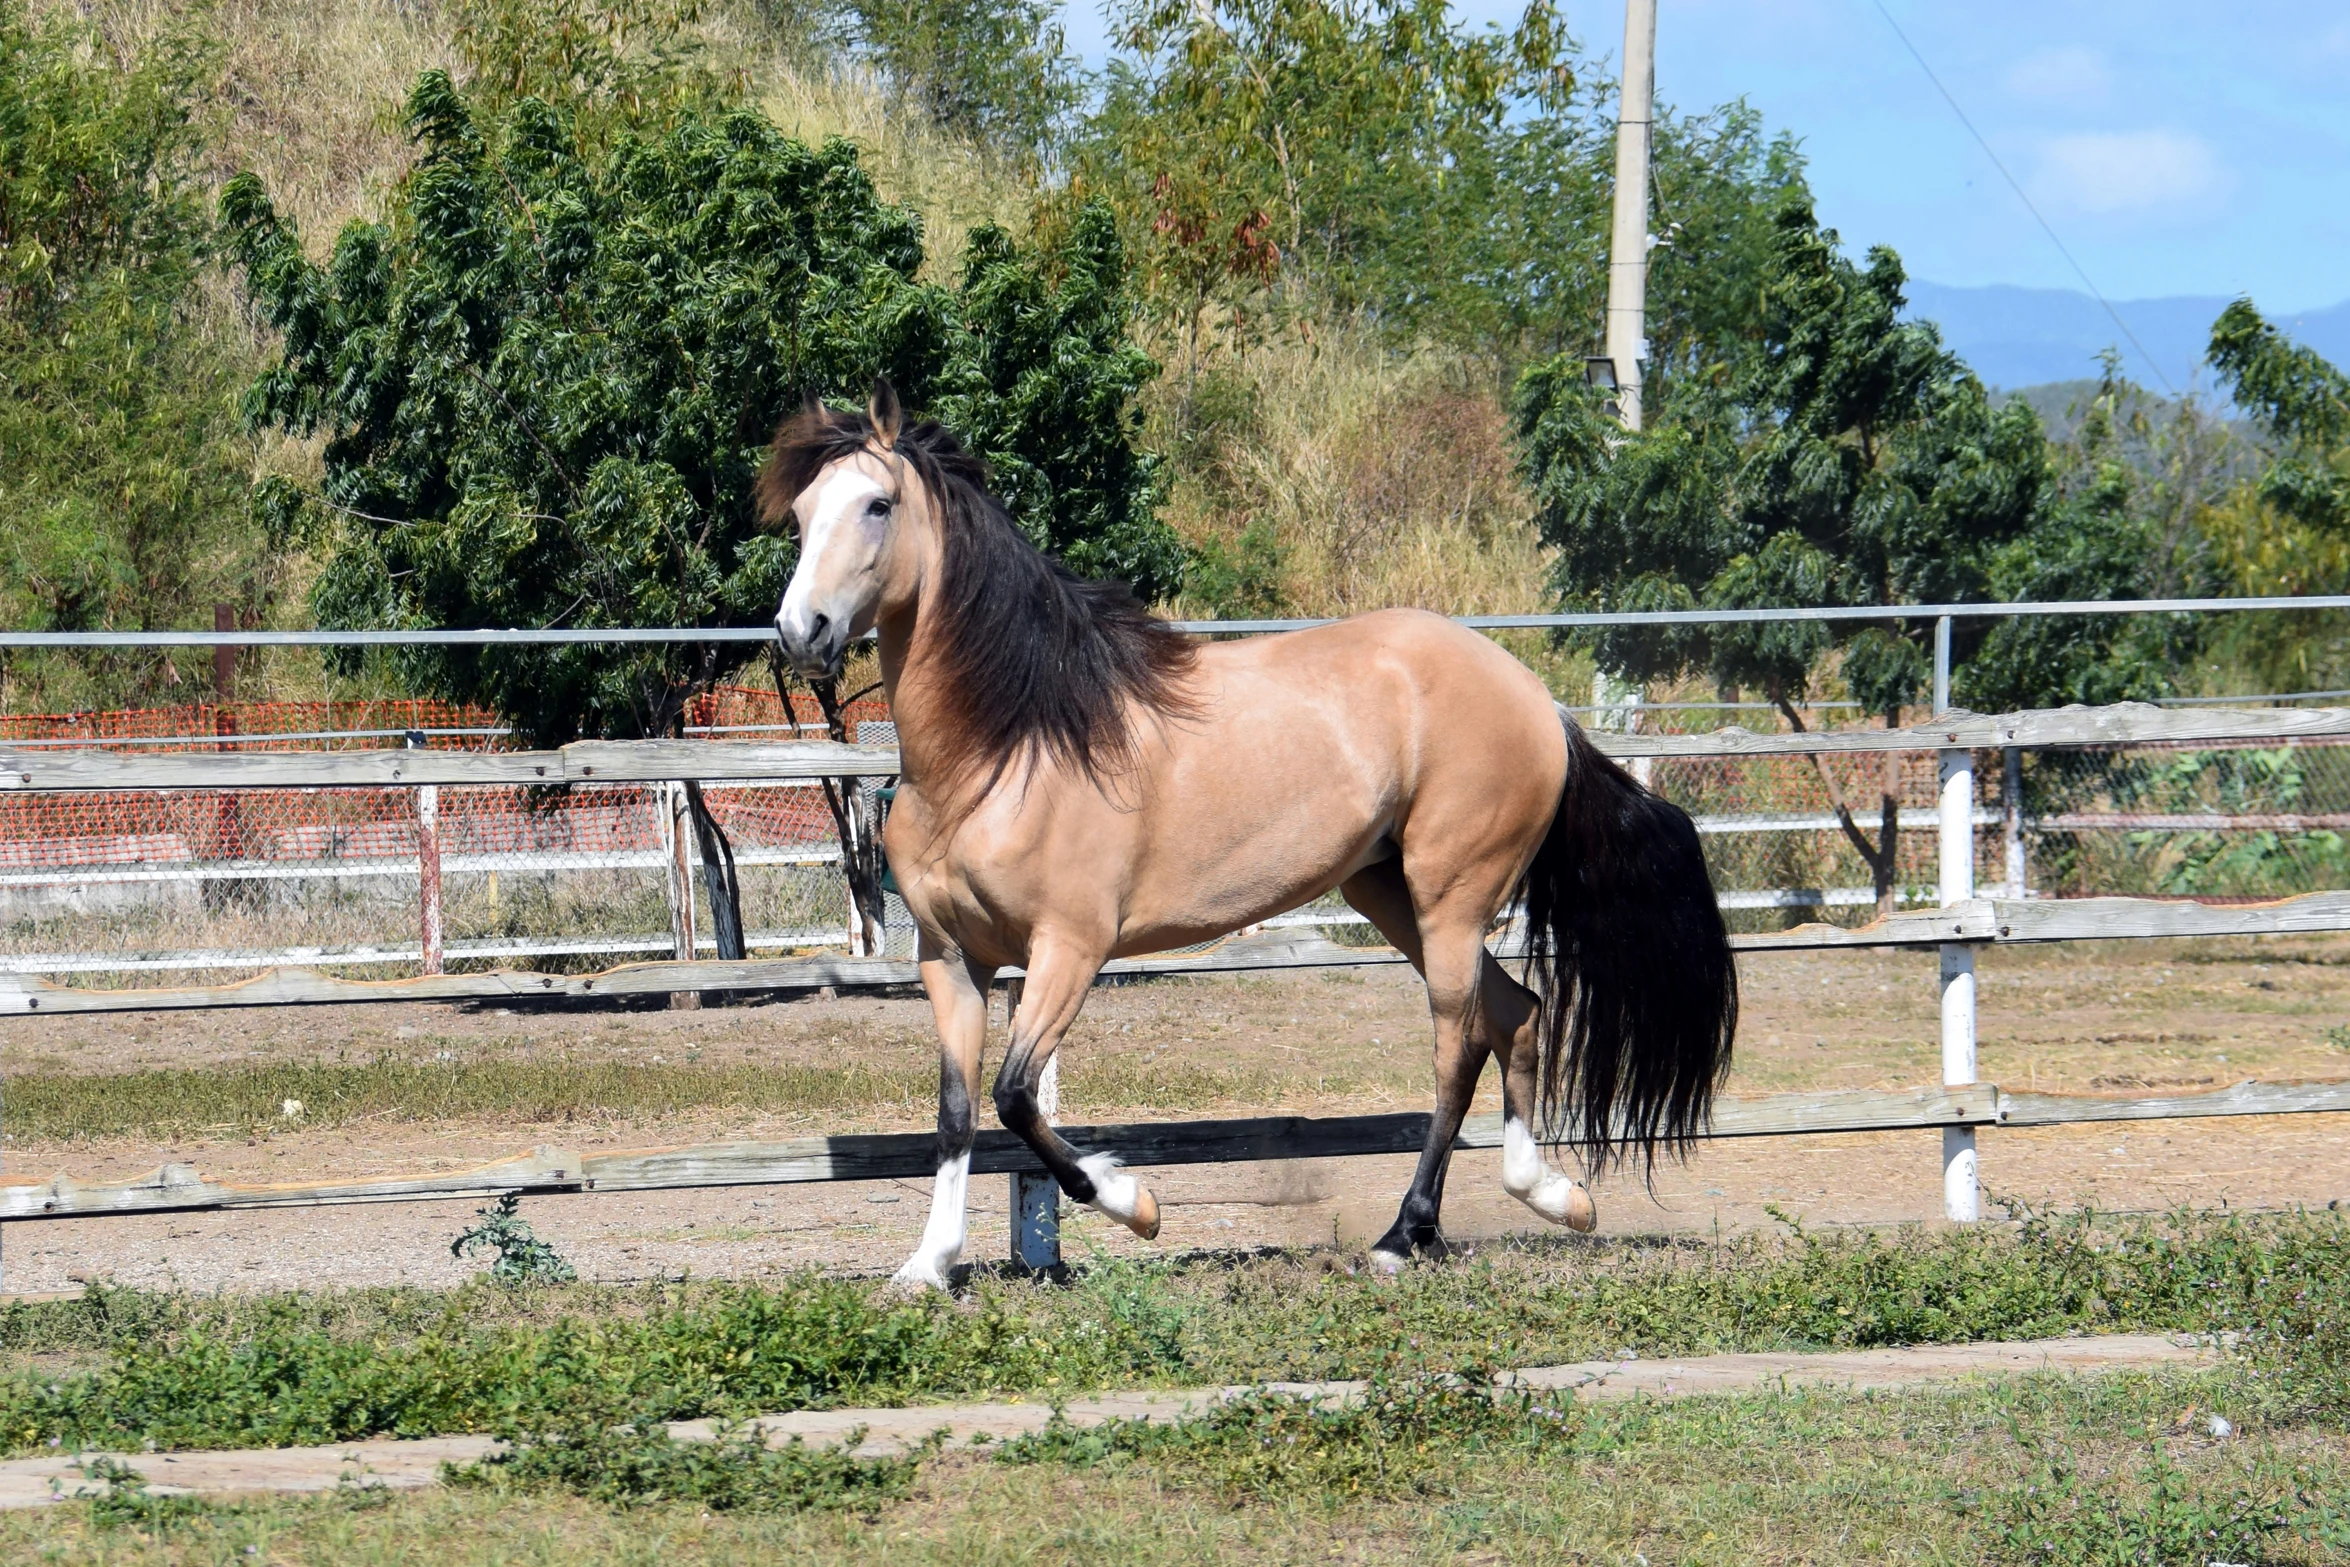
x=815 y=646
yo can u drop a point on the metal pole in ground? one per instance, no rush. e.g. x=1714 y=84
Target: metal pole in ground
x=1961 y=1188
x=1036 y=1199
x=428 y=865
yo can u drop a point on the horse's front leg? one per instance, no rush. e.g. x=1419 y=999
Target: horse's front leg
x=1058 y=978
x=958 y=997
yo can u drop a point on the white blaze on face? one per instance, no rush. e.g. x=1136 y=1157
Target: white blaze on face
x=943 y=1236
x=844 y=521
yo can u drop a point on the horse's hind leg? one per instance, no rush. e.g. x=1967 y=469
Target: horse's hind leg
x=1058 y=978
x=958 y=1000
x=1507 y=1011
x=1446 y=944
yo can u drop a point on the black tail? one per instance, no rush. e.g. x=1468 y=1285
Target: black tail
x=1626 y=948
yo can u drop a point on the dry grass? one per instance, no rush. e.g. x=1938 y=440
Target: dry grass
x=1384 y=478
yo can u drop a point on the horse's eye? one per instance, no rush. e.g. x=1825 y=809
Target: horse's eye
x=878 y=506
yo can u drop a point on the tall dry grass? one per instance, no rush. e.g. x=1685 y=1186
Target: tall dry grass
x=1381 y=477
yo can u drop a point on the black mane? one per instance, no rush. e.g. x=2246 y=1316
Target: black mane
x=1035 y=658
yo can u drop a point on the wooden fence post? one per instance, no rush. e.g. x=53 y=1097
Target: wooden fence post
x=1961 y=1187
x=428 y=866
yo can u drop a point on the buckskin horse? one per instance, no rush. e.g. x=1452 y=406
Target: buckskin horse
x=1083 y=782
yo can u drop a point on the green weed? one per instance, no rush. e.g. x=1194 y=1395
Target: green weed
x=127 y=1503
x=638 y=1463
x=121 y=1367
x=521 y=1257
x=1402 y=1437
x=2155 y=1517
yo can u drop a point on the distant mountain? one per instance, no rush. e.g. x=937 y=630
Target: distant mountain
x=2018 y=337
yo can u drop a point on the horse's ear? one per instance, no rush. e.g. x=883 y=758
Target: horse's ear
x=884 y=412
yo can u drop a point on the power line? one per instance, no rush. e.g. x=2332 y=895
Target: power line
x=2078 y=270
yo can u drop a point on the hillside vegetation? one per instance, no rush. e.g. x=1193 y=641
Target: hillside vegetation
x=1359 y=248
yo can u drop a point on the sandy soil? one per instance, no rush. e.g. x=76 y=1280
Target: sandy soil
x=2080 y=1019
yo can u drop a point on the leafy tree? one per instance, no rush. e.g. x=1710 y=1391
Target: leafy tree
x=122 y=467
x=1369 y=156
x=2302 y=403
x=1353 y=141
x=997 y=72
x=547 y=381
x=2123 y=517
x=1844 y=459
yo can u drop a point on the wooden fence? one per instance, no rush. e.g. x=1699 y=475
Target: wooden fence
x=1962 y=923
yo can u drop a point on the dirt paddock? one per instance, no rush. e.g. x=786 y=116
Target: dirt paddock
x=2108 y=1018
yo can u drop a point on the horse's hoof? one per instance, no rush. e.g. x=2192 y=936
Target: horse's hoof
x=1144 y=1221
x=1388 y=1264
x=917 y=1278
x=1564 y=1201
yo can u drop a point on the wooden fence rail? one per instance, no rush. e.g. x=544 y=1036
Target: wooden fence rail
x=1960 y=924
x=178 y=1188
x=1984 y=921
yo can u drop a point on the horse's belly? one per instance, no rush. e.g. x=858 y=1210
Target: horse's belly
x=1246 y=877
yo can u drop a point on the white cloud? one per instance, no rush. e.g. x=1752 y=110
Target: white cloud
x=2131 y=174
x=2076 y=78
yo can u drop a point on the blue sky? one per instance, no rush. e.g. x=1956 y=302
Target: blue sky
x=2176 y=148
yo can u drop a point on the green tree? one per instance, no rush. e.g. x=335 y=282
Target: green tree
x=1372 y=157
x=1350 y=143
x=1843 y=459
x=2122 y=517
x=547 y=381
x=122 y=466
x=997 y=72
x=2302 y=403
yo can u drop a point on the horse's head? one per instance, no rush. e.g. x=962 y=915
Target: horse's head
x=840 y=481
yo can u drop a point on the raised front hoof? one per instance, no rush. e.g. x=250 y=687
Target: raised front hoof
x=1387 y=1264
x=1144 y=1221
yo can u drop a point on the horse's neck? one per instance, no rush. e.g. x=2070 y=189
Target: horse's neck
x=917 y=699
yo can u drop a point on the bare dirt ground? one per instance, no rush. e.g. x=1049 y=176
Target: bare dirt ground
x=2118 y=1019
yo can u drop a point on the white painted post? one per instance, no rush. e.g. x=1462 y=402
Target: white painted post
x=1961 y=1172
x=1036 y=1199
x=428 y=867
x=2012 y=792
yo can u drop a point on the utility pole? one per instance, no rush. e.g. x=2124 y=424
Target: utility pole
x=1627 y=272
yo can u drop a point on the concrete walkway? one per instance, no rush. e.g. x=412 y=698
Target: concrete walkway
x=35 y=1482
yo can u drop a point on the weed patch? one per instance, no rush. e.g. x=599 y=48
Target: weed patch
x=212 y=1372
x=638 y=1463
x=2159 y=1514
x=518 y=1255
x=1404 y=1436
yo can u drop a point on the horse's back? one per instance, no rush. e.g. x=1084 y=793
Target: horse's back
x=1405 y=694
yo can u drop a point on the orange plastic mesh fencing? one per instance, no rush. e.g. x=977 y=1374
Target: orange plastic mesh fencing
x=755 y=711
x=358 y=725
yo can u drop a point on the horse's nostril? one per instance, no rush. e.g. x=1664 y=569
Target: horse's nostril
x=817 y=627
